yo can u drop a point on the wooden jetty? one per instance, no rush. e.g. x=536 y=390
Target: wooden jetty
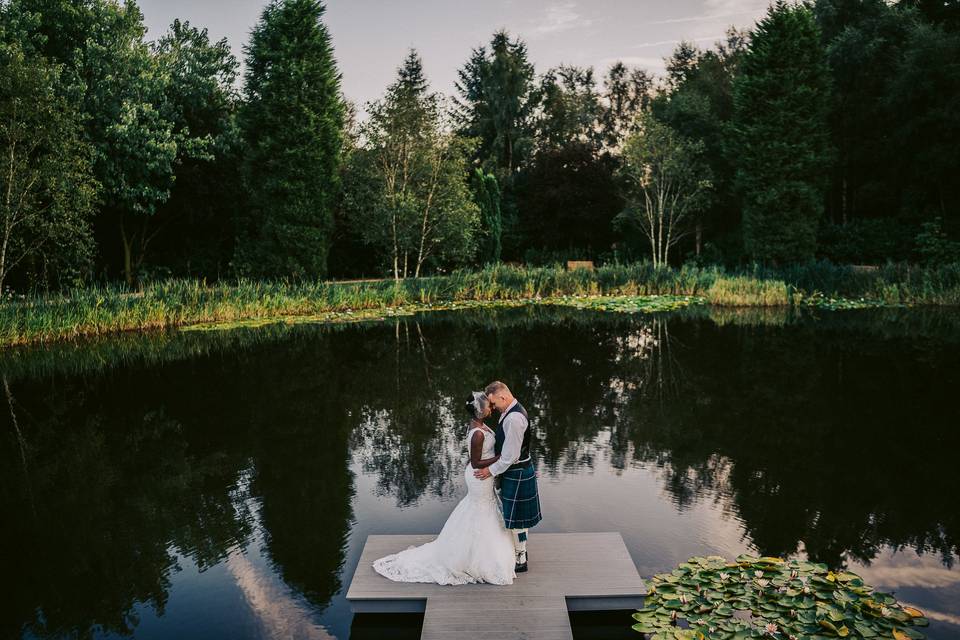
x=568 y=572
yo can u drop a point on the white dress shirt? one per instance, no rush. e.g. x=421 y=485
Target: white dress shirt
x=514 y=426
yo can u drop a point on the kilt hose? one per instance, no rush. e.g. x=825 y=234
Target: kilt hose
x=519 y=497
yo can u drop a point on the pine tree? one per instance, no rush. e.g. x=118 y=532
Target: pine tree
x=497 y=102
x=782 y=149
x=293 y=125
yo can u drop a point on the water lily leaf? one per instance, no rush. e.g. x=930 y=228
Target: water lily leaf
x=829 y=626
x=864 y=630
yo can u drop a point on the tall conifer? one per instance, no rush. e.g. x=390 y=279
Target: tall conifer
x=293 y=126
x=782 y=153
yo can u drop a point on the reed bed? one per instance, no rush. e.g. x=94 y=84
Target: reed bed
x=100 y=310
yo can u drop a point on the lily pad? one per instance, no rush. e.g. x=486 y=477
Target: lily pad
x=770 y=597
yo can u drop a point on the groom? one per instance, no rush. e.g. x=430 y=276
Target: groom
x=518 y=483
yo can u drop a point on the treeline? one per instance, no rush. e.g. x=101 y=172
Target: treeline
x=831 y=130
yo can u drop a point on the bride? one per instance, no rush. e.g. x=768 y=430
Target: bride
x=473 y=545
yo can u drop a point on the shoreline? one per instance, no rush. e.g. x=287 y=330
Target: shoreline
x=193 y=305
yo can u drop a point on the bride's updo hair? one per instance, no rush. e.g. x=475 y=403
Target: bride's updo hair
x=477 y=405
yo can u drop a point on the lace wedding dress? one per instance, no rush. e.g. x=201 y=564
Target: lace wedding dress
x=473 y=545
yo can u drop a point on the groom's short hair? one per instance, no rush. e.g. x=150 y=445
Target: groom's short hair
x=496 y=387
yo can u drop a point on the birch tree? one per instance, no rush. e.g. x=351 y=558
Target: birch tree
x=667 y=185
x=406 y=191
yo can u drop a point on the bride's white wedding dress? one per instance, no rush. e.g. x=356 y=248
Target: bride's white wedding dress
x=473 y=545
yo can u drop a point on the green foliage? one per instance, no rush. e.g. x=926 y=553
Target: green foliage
x=566 y=194
x=497 y=103
x=405 y=193
x=866 y=241
x=667 y=185
x=862 y=43
x=568 y=197
x=570 y=108
x=933 y=245
x=699 y=105
x=197 y=180
x=486 y=193
x=136 y=149
x=924 y=94
x=781 y=144
x=625 y=95
x=770 y=597
x=200 y=101
x=48 y=190
x=103 y=310
x=292 y=122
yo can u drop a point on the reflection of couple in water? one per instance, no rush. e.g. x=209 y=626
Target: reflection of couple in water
x=485 y=538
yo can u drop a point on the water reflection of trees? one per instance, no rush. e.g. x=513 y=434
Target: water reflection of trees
x=834 y=434
x=821 y=434
x=125 y=472
x=836 y=438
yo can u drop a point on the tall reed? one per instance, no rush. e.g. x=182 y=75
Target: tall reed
x=98 y=310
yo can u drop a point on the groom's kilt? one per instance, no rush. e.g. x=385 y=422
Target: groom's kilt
x=518 y=494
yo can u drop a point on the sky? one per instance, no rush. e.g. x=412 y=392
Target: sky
x=371 y=37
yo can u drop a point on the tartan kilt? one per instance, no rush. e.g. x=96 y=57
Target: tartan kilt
x=519 y=497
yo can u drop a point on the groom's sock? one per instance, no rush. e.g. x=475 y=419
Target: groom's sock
x=520 y=545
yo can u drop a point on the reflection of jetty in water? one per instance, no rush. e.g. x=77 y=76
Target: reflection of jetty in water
x=830 y=437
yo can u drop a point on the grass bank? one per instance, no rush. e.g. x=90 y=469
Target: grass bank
x=176 y=303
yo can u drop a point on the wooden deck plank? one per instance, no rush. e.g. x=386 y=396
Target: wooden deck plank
x=527 y=617
x=594 y=570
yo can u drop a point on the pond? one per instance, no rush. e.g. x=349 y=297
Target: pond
x=221 y=484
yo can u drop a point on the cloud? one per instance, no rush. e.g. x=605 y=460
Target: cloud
x=561 y=16
x=705 y=17
x=740 y=6
x=650 y=63
x=660 y=43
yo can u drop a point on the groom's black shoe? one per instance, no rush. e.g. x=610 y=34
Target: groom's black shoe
x=521 y=567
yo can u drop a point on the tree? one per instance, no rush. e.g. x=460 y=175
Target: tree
x=863 y=42
x=781 y=142
x=497 y=103
x=924 y=97
x=406 y=192
x=682 y=62
x=101 y=43
x=667 y=182
x=486 y=194
x=47 y=190
x=698 y=106
x=568 y=198
x=200 y=102
x=569 y=108
x=293 y=127
x=625 y=95
x=566 y=193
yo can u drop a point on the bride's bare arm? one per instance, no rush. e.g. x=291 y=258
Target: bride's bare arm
x=476 y=450
x=485 y=463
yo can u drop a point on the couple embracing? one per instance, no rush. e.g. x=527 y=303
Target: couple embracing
x=485 y=538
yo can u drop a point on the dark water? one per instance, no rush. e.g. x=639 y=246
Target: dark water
x=221 y=485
